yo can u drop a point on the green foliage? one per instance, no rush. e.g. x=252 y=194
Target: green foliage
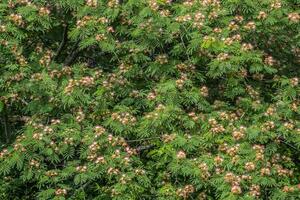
x=149 y=99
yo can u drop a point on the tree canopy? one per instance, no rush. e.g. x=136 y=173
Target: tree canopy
x=150 y=99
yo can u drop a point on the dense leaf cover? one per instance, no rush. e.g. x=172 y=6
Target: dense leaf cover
x=150 y=99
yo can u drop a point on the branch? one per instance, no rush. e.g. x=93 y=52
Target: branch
x=25 y=102
x=63 y=41
x=143 y=139
x=142 y=148
x=282 y=139
x=70 y=59
x=6 y=126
